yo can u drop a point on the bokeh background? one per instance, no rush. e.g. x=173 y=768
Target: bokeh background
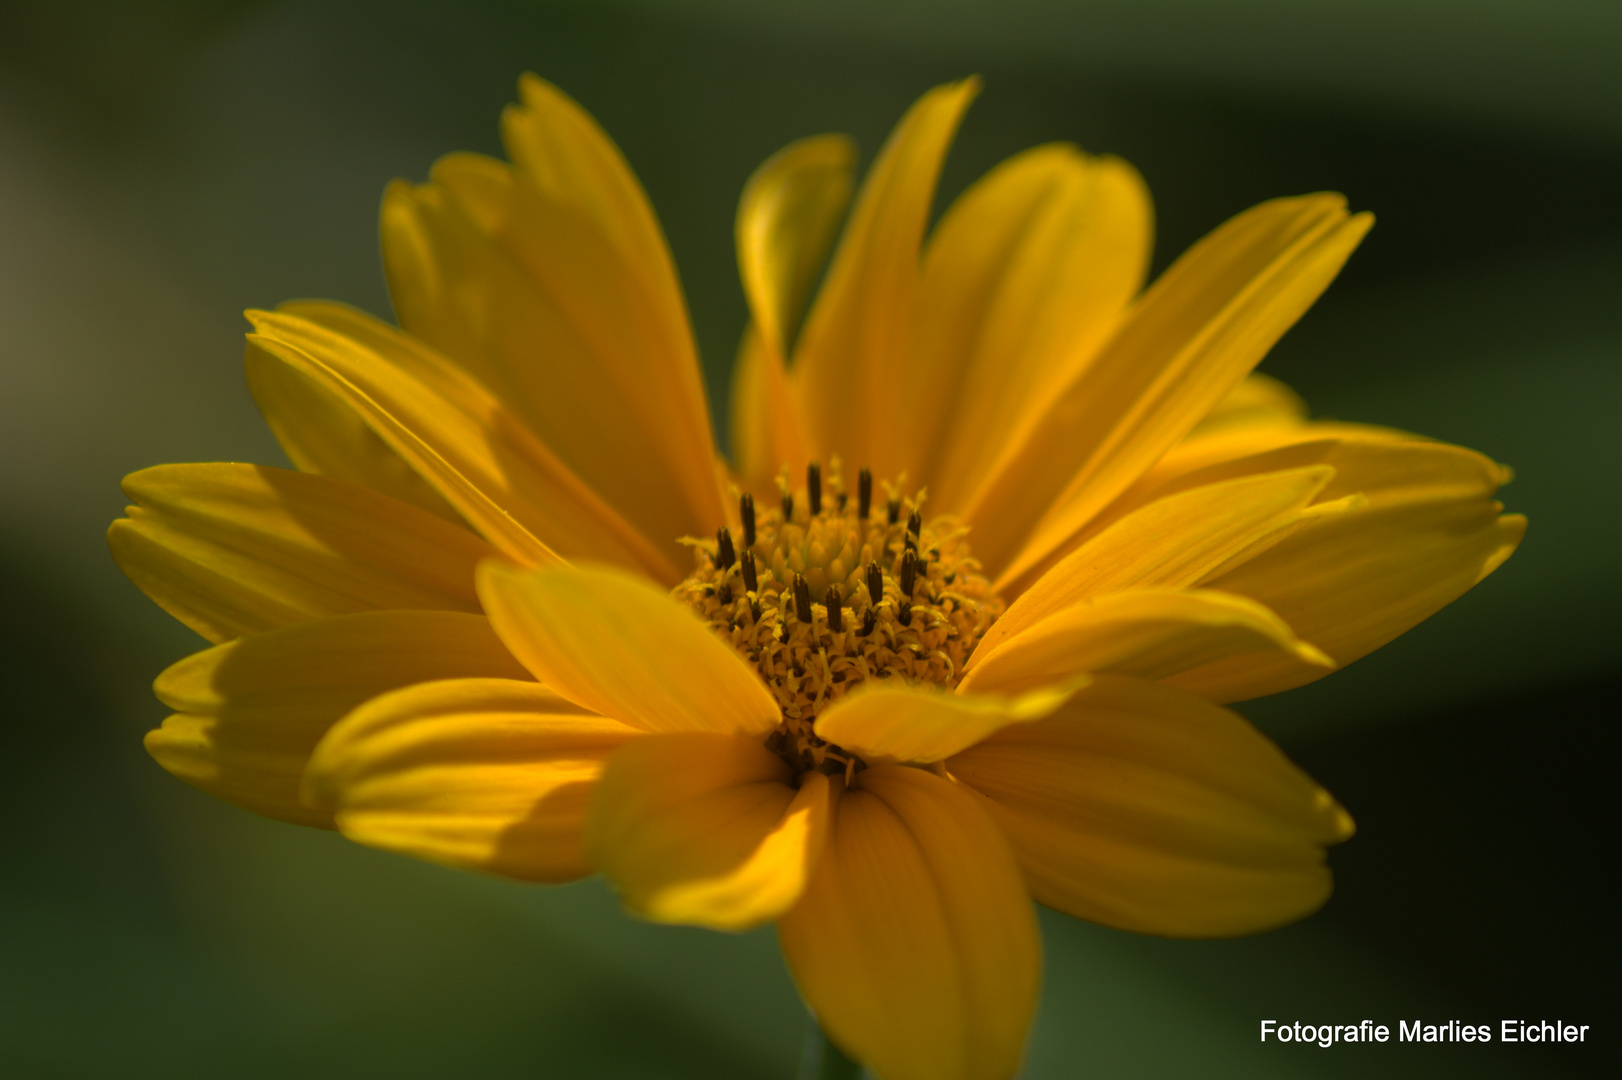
x=165 y=164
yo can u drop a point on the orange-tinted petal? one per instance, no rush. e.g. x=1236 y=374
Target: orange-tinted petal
x=848 y=363
x=1026 y=275
x=915 y=944
x=707 y=829
x=232 y=550
x=249 y=713
x=1148 y=809
x=1191 y=338
x=483 y=774
x=925 y=723
x=615 y=644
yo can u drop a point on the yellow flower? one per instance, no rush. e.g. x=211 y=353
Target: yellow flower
x=465 y=628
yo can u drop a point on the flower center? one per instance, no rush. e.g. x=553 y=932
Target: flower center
x=823 y=594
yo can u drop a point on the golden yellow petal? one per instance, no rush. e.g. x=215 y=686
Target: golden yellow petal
x=483 y=774
x=498 y=475
x=249 y=713
x=766 y=430
x=1027 y=274
x=1258 y=399
x=923 y=723
x=1191 y=338
x=324 y=436
x=613 y=643
x=1147 y=633
x=848 y=363
x=1174 y=542
x=473 y=259
x=1148 y=809
x=231 y=550
x=705 y=829
x=915 y=944
x=1351 y=585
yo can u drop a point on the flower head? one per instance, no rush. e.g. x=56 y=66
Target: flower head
x=1002 y=533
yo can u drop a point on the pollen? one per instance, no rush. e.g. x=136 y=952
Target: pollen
x=823 y=592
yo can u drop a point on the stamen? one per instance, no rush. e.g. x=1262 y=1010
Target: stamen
x=746 y=510
x=813 y=487
x=725 y=556
x=869 y=621
x=875 y=582
x=788 y=506
x=836 y=618
x=754 y=610
x=915 y=524
x=904 y=612
x=750 y=580
x=864 y=493
x=909 y=572
x=893 y=511
x=802 y=599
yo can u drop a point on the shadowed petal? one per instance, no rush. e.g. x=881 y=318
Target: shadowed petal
x=249 y=713
x=617 y=645
x=915 y=944
x=232 y=550
x=483 y=774
x=707 y=829
x=1145 y=808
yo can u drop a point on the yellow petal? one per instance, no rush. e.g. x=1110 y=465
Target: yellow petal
x=706 y=829
x=1258 y=399
x=923 y=723
x=616 y=645
x=322 y=435
x=249 y=713
x=1025 y=277
x=848 y=364
x=1148 y=809
x=787 y=218
x=498 y=475
x=598 y=363
x=1197 y=331
x=1349 y=586
x=231 y=550
x=1148 y=633
x=483 y=774
x=915 y=944
x=1174 y=542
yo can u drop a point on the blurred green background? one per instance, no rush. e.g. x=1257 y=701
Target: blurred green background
x=164 y=165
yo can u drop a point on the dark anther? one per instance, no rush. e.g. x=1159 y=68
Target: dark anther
x=836 y=617
x=904 y=612
x=864 y=493
x=725 y=595
x=909 y=542
x=782 y=632
x=802 y=598
x=915 y=524
x=909 y=572
x=746 y=510
x=893 y=511
x=750 y=581
x=724 y=555
x=843 y=499
x=813 y=487
x=875 y=582
x=869 y=620
x=754 y=611
x=788 y=507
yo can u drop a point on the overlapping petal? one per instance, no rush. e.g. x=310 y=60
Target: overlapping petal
x=1024 y=278
x=232 y=550
x=482 y=459
x=1148 y=809
x=921 y=723
x=1190 y=339
x=915 y=944
x=615 y=644
x=1148 y=633
x=846 y=364
x=249 y=713
x=707 y=829
x=484 y=774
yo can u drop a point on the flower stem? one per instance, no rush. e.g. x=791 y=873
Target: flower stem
x=822 y=1060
